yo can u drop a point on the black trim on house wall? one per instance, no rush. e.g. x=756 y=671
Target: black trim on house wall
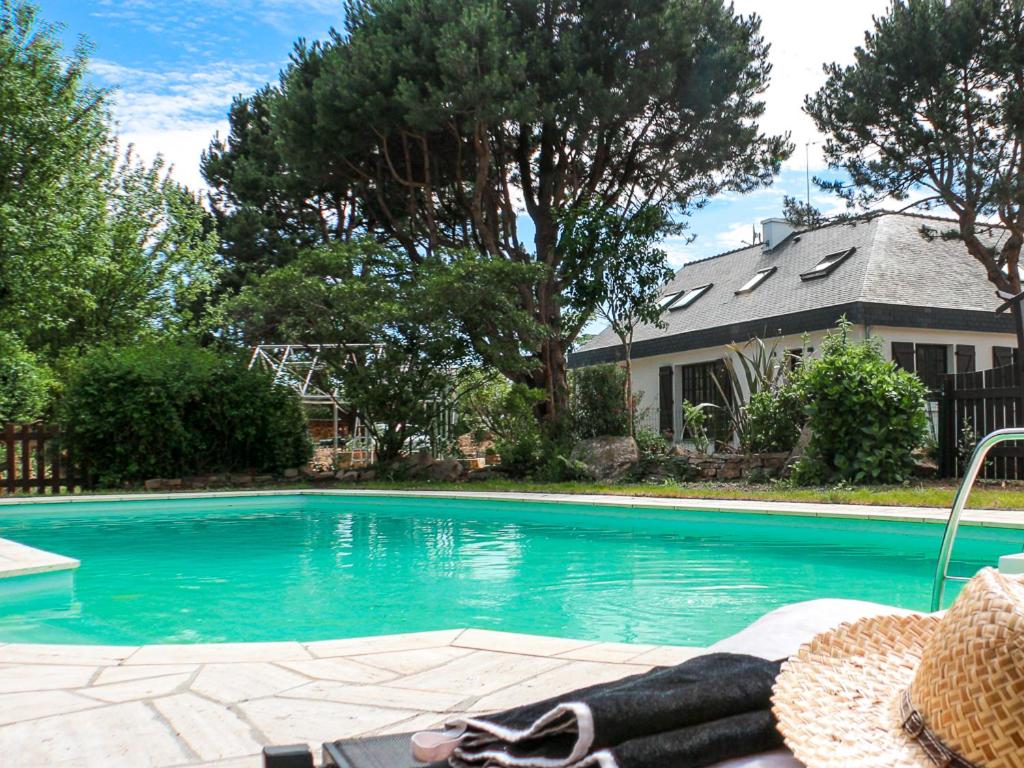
x=859 y=313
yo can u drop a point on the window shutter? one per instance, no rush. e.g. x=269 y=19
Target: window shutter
x=1002 y=356
x=903 y=355
x=665 y=403
x=965 y=358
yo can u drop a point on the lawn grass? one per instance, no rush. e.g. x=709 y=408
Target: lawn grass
x=930 y=494
x=986 y=495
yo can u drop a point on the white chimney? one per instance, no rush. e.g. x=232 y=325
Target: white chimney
x=774 y=231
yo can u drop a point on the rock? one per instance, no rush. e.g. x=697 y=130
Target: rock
x=444 y=471
x=240 y=479
x=473 y=463
x=173 y=482
x=925 y=468
x=347 y=475
x=153 y=485
x=478 y=475
x=263 y=479
x=368 y=474
x=607 y=458
x=291 y=472
x=322 y=477
x=730 y=471
x=306 y=471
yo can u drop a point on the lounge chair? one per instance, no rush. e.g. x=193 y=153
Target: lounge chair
x=373 y=752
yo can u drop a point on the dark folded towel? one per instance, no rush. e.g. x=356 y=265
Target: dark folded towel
x=705 y=710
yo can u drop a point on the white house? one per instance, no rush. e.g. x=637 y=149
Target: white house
x=890 y=274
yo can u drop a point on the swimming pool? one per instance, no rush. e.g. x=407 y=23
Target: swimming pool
x=308 y=567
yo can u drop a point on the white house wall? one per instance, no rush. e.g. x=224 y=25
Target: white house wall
x=646 y=369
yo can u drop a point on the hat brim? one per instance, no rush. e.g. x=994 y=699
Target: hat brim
x=837 y=699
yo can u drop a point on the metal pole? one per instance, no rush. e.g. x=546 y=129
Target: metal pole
x=334 y=453
x=960 y=500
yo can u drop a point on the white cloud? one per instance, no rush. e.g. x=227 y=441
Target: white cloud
x=805 y=35
x=175 y=113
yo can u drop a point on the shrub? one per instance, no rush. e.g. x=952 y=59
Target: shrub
x=773 y=420
x=171 y=410
x=695 y=426
x=597 y=401
x=24 y=382
x=866 y=415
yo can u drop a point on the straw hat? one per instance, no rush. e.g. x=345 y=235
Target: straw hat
x=913 y=691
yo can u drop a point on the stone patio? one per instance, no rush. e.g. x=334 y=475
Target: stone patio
x=217 y=705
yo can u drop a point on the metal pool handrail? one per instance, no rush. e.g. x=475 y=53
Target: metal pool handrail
x=946 y=550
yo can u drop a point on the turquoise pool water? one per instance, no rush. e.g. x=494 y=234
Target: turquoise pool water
x=312 y=567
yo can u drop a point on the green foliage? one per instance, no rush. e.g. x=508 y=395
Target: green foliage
x=763 y=368
x=24 y=382
x=801 y=214
x=415 y=123
x=695 y=426
x=930 y=110
x=172 y=410
x=400 y=349
x=94 y=245
x=774 y=420
x=596 y=402
x=866 y=415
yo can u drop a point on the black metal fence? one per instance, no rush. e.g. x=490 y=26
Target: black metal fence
x=970 y=406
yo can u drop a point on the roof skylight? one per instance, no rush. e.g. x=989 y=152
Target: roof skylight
x=828 y=264
x=759 y=277
x=688 y=297
x=669 y=299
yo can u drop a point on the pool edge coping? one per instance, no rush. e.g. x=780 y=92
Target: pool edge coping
x=995 y=518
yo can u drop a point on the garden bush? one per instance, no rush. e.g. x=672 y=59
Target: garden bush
x=773 y=420
x=866 y=415
x=172 y=410
x=597 y=401
x=24 y=382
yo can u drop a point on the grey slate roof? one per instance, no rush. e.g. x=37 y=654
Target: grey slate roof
x=893 y=267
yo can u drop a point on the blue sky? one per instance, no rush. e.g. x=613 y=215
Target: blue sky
x=176 y=64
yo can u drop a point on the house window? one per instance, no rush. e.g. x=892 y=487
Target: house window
x=669 y=299
x=690 y=296
x=929 y=361
x=759 y=277
x=828 y=264
x=698 y=386
x=795 y=356
x=932 y=364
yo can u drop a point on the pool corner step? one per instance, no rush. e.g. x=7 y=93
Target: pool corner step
x=21 y=560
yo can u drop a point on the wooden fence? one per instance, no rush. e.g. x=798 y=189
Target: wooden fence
x=971 y=405
x=33 y=459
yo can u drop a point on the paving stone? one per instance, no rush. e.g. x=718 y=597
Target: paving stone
x=217 y=652
x=289 y=721
x=121 y=735
x=41 y=677
x=361 y=645
x=428 y=721
x=230 y=683
x=345 y=670
x=143 y=688
x=613 y=653
x=667 y=655
x=140 y=671
x=249 y=761
x=82 y=655
x=211 y=731
x=381 y=696
x=411 y=662
x=481 y=672
x=15 y=707
x=511 y=642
